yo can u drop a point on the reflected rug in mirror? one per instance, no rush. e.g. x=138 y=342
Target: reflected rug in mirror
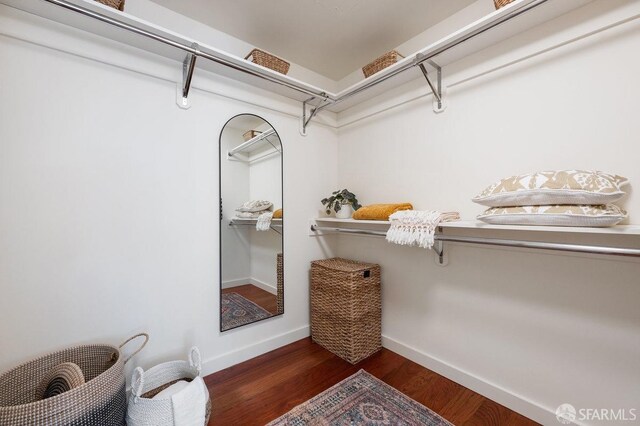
x=238 y=310
x=361 y=400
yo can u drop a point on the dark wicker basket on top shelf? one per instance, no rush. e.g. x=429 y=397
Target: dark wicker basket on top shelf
x=250 y=134
x=116 y=4
x=501 y=3
x=267 y=60
x=381 y=63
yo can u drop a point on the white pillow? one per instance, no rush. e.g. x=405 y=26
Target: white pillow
x=255 y=206
x=580 y=187
x=596 y=216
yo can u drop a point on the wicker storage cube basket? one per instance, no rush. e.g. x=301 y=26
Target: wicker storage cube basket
x=346 y=307
x=501 y=3
x=280 y=284
x=381 y=63
x=267 y=60
x=248 y=135
x=101 y=400
x=116 y=4
x=143 y=410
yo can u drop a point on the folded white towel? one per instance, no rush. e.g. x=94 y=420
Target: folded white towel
x=189 y=405
x=264 y=221
x=415 y=227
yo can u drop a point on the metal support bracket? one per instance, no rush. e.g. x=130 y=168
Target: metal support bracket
x=438 y=247
x=306 y=119
x=188 y=66
x=439 y=103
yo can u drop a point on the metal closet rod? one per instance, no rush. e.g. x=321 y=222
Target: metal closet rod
x=232 y=223
x=575 y=248
x=328 y=98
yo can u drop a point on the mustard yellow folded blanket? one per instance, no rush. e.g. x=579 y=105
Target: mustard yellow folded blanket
x=277 y=214
x=380 y=211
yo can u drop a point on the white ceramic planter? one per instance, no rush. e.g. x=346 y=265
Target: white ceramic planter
x=345 y=212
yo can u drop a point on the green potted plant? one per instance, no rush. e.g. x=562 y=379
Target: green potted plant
x=342 y=202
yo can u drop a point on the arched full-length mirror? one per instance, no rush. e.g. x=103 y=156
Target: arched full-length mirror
x=251 y=243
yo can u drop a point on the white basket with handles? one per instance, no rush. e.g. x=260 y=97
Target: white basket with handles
x=190 y=406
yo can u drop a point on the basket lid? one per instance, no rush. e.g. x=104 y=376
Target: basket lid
x=344 y=265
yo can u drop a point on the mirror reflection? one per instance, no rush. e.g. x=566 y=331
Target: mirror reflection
x=251 y=243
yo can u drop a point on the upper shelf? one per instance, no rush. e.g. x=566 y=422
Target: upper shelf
x=93 y=17
x=621 y=240
x=475 y=225
x=253 y=142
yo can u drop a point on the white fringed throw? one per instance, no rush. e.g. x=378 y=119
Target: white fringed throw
x=264 y=221
x=415 y=227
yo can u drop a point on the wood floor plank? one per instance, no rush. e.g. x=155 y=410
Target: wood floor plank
x=257 y=295
x=266 y=387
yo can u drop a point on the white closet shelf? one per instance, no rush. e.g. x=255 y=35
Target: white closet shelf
x=472 y=224
x=621 y=240
x=95 y=18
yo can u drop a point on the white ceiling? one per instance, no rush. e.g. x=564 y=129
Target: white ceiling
x=330 y=37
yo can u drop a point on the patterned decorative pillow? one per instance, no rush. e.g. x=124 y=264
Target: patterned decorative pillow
x=555 y=215
x=255 y=206
x=554 y=187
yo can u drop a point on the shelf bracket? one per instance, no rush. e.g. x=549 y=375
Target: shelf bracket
x=188 y=67
x=306 y=118
x=439 y=104
x=438 y=248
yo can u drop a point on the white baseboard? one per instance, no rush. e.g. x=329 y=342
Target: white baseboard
x=236 y=283
x=485 y=388
x=242 y=281
x=237 y=356
x=266 y=287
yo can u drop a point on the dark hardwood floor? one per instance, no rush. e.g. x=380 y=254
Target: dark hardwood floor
x=257 y=295
x=264 y=388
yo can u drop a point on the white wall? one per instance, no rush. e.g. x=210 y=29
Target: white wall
x=530 y=329
x=109 y=200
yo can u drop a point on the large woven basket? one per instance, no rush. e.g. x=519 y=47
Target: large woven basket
x=280 y=284
x=381 y=63
x=501 y=3
x=267 y=60
x=346 y=307
x=101 y=400
x=116 y=4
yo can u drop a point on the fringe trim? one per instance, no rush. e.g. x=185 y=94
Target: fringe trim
x=414 y=227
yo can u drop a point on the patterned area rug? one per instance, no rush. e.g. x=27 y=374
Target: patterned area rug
x=237 y=311
x=361 y=400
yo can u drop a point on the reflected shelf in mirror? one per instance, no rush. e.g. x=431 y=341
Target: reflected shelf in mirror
x=276 y=224
x=257 y=143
